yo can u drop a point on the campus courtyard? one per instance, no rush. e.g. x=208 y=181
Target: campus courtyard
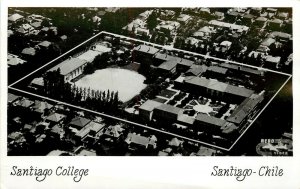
x=128 y=83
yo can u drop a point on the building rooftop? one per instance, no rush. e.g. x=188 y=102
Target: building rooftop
x=45 y=44
x=40 y=106
x=185 y=119
x=197 y=69
x=280 y=35
x=79 y=122
x=39 y=81
x=210 y=120
x=89 y=55
x=15 y=17
x=68 y=65
x=55 y=117
x=101 y=48
x=11 y=97
x=146 y=49
x=217 y=86
x=267 y=42
x=243 y=110
x=13 y=60
x=228 y=25
x=217 y=69
x=149 y=105
x=29 y=51
x=114 y=131
x=25 y=103
x=239 y=91
x=168 y=65
x=169 y=108
x=138 y=139
x=85 y=152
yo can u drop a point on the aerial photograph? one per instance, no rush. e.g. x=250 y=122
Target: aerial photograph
x=122 y=81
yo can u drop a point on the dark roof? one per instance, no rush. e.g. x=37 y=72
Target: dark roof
x=146 y=49
x=168 y=65
x=217 y=69
x=210 y=120
x=244 y=109
x=79 y=121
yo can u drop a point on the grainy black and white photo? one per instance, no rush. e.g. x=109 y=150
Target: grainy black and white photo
x=122 y=81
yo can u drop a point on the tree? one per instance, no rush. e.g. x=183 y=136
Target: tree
x=152 y=21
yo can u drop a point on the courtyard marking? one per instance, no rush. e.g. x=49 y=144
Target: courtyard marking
x=261 y=111
x=117 y=118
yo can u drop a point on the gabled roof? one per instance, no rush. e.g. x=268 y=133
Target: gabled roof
x=55 y=117
x=36 y=24
x=217 y=86
x=175 y=142
x=204 y=151
x=243 y=110
x=210 y=120
x=15 y=17
x=239 y=91
x=29 y=51
x=137 y=139
x=45 y=44
x=89 y=55
x=267 y=42
x=40 y=106
x=25 y=103
x=68 y=65
x=79 y=122
x=185 y=62
x=146 y=49
x=13 y=60
x=11 y=97
x=262 y=19
x=114 y=131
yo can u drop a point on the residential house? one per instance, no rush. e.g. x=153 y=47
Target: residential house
x=272 y=62
x=14 y=18
x=260 y=22
x=136 y=142
x=275 y=24
x=184 y=18
x=55 y=118
x=14 y=60
x=25 y=29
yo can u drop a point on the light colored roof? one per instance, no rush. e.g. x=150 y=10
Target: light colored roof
x=186 y=119
x=114 y=131
x=13 y=60
x=197 y=69
x=15 y=17
x=137 y=139
x=55 y=117
x=280 y=34
x=85 y=152
x=175 y=142
x=273 y=59
x=25 y=103
x=56 y=153
x=276 y=21
x=149 y=105
x=29 y=51
x=40 y=106
x=228 y=25
x=96 y=127
x=267 y=42
x=102 y=48
x=36 y=24
x=38 y=81
x=183 y=17
x=204 y=151
x=12 y=97
x=45 y=43
x=226 y=43
x=89 y=55
x=263 y=19
x=69 y=65
x=217 y=86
